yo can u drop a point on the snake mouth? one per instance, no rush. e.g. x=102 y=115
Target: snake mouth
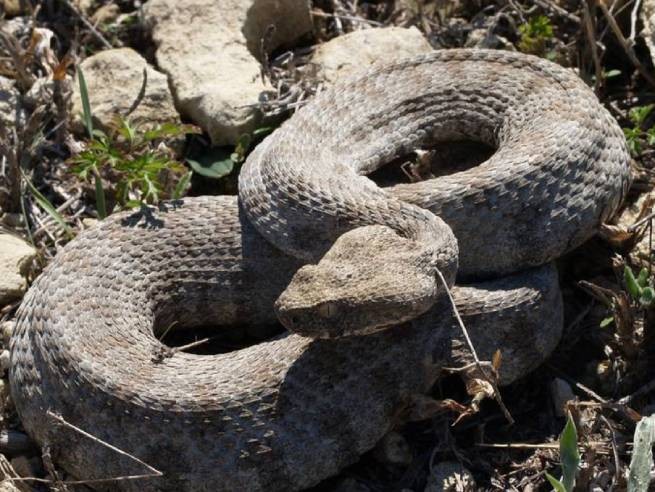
x=347 y=317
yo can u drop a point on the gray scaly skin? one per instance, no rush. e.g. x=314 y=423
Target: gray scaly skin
x=286 y=413
x=560 y=169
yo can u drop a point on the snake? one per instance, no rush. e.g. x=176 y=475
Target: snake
x=353 y=270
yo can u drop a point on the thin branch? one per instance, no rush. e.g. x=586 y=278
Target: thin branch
x=548 y=5
x=98 y=35
x=640 y=222
x=154 y=471
x=482 y=370
x=625 y=44
x=633 y=21
x=590 y=31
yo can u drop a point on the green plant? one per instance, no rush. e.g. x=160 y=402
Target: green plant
x=130 y=160
x=569 y=457
x=218 y=162
x=535 y=35
x=640 y=288
x=642 y=455
x=637 y=135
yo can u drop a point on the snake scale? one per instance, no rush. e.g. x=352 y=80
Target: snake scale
x=286 y=413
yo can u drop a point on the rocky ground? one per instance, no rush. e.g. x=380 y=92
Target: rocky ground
x=180 y=92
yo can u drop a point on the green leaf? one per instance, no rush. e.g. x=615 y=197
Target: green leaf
x=569 y=455
x=642 y=278
x=612 y=73
x=651 y=136
x=631 y=283
x=642 y=455
x=647 y=296
x=182 y=185
x=86 y=106
x=45 y=204
x=639 y=114
x=213 y=163
x=100 y=197
x=557 y=485
x=607 y=321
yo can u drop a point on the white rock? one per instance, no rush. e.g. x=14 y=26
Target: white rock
x=355 y=51
x=15 y=257
x=450 y=476
x=210 y=51
x=114 y=79
x=7 y=328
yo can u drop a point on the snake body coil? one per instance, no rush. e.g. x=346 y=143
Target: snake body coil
x=286 y=413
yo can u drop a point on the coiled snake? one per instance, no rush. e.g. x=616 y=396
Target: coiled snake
x=286 y=413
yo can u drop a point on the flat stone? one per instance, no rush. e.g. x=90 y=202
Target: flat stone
x=114 y=79
x=357 y=50
x=212 y=51
x=15 y=257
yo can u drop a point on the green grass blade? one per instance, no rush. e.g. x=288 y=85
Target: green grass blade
x=642 y=455
x=86 y=105
x=556 y=484
x=569 y=455
x=45 y=204
x=631 y=283
x=101 y=204
x=182 y=185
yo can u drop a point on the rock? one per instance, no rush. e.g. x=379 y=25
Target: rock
x=355 y=51
x=11 y=111
x=4 y=361
x=15 y=258
x=648 y=21
x=450 y=476
x=106 y=14
x=7 y=328
x=486 y=39
x=561 y=393
x=391 y=450
x=211 y=52
x=114 y=79
x=12 y=8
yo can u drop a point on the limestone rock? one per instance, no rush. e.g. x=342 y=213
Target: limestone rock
x=15 y=257
x=211 y=52
x=114 y=79
x=346 y=54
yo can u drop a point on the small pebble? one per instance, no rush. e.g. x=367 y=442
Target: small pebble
x=7 y=328
x=561 y=393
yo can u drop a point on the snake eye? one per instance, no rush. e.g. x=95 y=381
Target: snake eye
x=328 y=309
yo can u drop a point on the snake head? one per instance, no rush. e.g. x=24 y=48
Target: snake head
x=369 y=280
